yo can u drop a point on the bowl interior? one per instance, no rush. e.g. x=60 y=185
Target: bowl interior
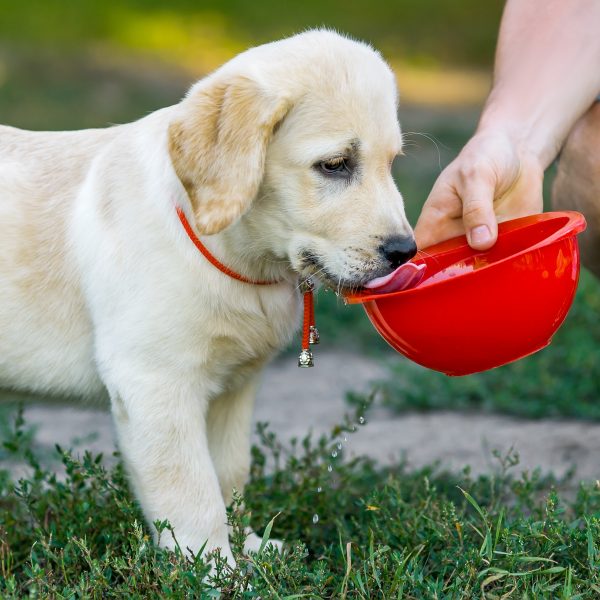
x=455 y=258
x=464 y=260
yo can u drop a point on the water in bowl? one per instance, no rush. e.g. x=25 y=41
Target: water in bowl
x=468 y=265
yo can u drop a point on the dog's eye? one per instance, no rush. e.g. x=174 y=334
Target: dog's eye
x=334 y=166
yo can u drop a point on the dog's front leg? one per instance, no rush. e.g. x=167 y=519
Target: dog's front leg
x=161 y=426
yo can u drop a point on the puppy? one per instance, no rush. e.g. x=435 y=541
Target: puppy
x=281 y=162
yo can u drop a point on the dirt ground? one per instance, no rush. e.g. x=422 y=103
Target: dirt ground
x=295 y=401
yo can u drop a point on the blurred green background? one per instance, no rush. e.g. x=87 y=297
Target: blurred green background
x=75 y=64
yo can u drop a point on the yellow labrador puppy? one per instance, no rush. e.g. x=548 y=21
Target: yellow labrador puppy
x=281 y=162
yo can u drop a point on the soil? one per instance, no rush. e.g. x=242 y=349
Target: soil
x=295 y=401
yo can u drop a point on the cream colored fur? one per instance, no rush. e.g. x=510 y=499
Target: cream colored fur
x=101 y=289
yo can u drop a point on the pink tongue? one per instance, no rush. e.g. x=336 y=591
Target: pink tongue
x=405 y=276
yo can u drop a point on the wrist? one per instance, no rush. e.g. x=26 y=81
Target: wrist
x=520 y=137
x=531 y=129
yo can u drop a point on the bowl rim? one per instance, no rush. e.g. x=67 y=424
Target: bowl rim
x=575 y=224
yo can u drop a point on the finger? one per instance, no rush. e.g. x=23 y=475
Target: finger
x=479 y=219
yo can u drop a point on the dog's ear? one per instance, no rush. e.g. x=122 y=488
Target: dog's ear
x=218 y=147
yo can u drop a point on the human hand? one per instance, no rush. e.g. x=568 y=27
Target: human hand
x=493 y=179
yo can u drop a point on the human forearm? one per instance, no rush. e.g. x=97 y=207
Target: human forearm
x=547 y=72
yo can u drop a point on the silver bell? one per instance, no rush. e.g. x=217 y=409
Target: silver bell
x=305 y=359
x=313 y=336
x=306 y=285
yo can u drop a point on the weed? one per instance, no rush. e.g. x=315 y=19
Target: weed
x=381 y=533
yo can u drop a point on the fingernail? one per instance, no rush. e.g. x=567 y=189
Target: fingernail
x=480 y=235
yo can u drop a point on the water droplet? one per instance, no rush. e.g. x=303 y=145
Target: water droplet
x=339 y=445
x=315 y=518
x=334 y=454
x=330 y=468
x=361 y=420
x=319 y=490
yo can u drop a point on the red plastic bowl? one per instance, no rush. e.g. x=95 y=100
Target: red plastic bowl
x=474 y=311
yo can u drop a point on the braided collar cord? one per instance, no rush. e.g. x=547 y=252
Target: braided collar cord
x=310 y=335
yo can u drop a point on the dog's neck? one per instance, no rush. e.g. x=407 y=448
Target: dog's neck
x=242 y=249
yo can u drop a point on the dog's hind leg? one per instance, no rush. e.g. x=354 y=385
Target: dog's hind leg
x=229 y=428
x=229 y=425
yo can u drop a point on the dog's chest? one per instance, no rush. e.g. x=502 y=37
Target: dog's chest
x=255 y=328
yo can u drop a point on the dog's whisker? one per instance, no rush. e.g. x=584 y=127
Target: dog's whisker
x=313 y=274
x=432 y=139
x=428 y=255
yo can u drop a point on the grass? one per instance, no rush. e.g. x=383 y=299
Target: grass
x=189 y=30
x=46 y=91
x=434 y=45
x=380 y=533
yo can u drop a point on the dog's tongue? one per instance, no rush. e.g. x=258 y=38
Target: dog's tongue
x=405 y=276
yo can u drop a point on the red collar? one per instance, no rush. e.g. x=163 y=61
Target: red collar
x=210 y=258
x=310 y=334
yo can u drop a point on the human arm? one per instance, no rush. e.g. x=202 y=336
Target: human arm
x=547 y=74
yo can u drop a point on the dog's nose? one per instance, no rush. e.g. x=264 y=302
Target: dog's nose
x=398 y=249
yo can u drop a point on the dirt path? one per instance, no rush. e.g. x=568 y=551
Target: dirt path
x=296 y=400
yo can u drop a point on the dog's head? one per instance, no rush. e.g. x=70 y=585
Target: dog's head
x=297 y=138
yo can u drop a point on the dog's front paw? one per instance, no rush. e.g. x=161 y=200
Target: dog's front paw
x=253 y=542
x=190 y=549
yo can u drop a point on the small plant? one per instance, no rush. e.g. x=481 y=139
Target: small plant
x=380 y=533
